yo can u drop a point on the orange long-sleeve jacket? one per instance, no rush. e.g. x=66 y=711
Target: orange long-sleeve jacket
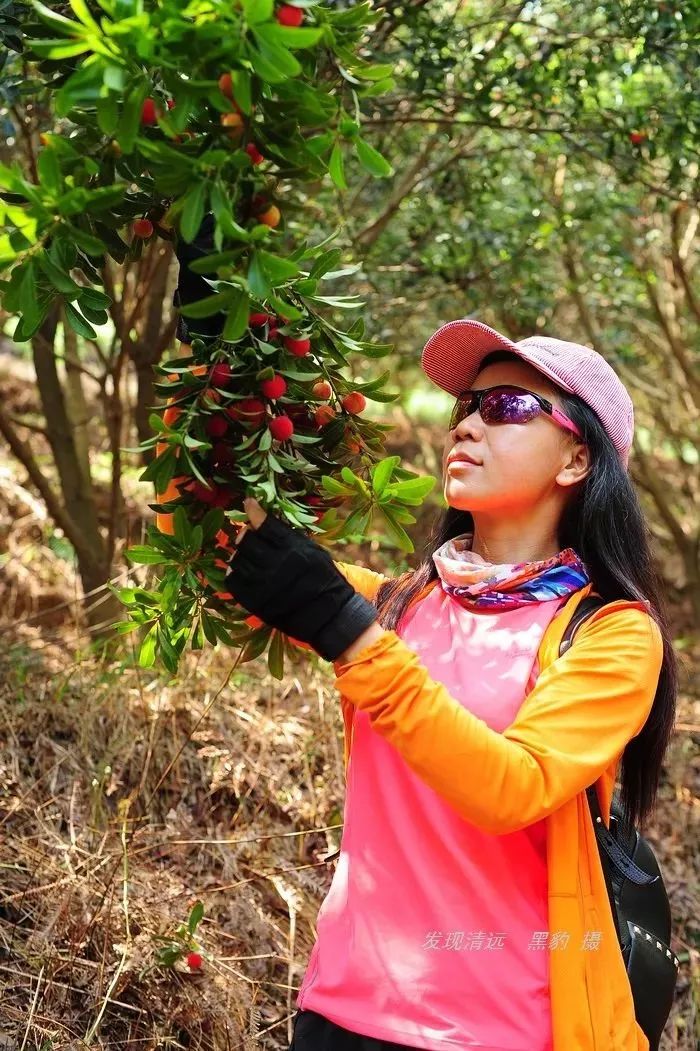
x=570 y=732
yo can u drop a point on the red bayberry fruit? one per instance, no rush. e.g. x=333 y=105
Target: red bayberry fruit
x=216 y=426
x=289 y=16
x=272 y=333
x=281 y=428
x=637 y=137
x=149 y=112
x=221 y=374
x=143 y=228
x=171 y=103
x=323 y=415
x=194 y=961
x=254 y=153
x=274 y=388
x=299 y=347
x=248 y=410
x=258 y=320
x=202 y=493
x=222 y=454
x=354 y=402
x=322 y=389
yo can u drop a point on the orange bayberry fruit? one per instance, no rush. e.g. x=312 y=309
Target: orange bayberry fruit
x=234 y=123
x=216 y=427
x=300 y=347
x=142 y=228
x=354 y=402
x=149 y=113
x=194 y=961
x=170 y=415
x=248 y=410
x=221 y=374
x=226 y=85
x=322 y=389
x=281 y=428
x=323 y=415
x=289 y=16
x=254 y=153
x=270 y=217
x=274 y=388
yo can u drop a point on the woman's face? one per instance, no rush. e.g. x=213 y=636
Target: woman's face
x=518 y=465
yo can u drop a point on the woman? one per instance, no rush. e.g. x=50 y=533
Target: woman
x=468 y=908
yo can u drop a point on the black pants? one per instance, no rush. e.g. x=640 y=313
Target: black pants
x=313 y=1032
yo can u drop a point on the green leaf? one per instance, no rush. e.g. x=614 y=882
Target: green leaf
x=266 y=68
x=61 y=281
x=107 y=108
x=195 y=916
x=147 y=652
x=275 y=656
x=294 y=37
x=257 y=278
x=241 y=90
x=332 y=486
x=145 y=556
x=27 y=293
x=414 y=489
x=193 y=211
x=78 y=323
x=209 y=305
x=283 y=59
x=256 y=644
x=57 y=22
x=276 y=268
x=256 y=11
x=237 y=320
x=335 y=167
x=372 y=159
x=130 y=120
x=49 y=170
x=396 y=531
x=381 y=473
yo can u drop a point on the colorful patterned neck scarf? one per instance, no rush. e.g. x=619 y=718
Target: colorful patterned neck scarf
x=482 y=585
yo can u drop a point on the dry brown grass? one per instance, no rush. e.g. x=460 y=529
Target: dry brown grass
x=122 y=801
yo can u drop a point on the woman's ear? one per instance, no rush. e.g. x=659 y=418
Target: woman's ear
x=576 y=465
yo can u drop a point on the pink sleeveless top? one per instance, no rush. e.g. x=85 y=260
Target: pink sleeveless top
x=434 y=933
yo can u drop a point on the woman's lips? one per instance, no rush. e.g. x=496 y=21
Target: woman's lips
x=454 y=464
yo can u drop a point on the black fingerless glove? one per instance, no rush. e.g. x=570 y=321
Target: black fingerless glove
x=293 y=584
x=192 y=287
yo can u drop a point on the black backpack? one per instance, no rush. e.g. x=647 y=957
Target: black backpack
x=638 y=897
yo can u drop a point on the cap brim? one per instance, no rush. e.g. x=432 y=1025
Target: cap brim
x=452 y=355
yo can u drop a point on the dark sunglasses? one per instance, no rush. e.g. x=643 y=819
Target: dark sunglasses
x=508 y=404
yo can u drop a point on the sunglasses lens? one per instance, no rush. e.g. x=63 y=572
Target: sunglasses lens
x=508 y=406
x=462 y=408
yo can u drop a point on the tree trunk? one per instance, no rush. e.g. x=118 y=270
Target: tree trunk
x=93 y=564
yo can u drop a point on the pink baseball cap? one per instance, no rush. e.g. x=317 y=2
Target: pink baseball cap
x=453 y=354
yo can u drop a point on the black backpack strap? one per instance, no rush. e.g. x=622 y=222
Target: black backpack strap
x=608 y=846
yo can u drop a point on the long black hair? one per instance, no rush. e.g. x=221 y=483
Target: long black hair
x=604 y=523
